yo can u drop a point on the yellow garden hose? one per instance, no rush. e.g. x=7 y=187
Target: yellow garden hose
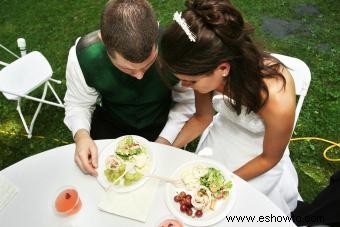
x=292 y=139
x=326 y=150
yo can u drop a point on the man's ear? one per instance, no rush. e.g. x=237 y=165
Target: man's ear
x=224 y=68
x=100 y=36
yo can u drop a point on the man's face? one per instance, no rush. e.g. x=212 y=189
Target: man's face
x=135 y=70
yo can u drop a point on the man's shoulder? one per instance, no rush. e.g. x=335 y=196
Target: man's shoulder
x=90 y=51
x=87 y=41
x=92 y=57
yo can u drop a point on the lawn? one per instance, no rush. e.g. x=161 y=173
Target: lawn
x=52 y=27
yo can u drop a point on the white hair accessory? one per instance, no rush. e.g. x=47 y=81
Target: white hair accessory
x=181 y=22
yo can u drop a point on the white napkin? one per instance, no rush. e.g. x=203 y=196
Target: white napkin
x=7 y=192
x=135 y=204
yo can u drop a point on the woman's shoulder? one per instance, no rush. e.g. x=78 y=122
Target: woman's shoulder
x=281 y=91
x=276 y=84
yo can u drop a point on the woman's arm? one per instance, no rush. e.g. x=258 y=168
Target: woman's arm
x=197 y=123
x=179 y=114
x=278 y=116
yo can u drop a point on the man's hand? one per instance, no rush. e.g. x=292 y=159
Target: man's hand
x=162 y=141
x=86 y=154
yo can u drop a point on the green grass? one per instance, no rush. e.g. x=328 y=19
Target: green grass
x=52 y=27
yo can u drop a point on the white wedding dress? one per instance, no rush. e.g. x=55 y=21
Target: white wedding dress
x=235 y=139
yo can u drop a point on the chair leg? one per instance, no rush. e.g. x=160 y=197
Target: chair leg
x=37 y=111
x=54 y=93
x=22 y=118
x=41 y=101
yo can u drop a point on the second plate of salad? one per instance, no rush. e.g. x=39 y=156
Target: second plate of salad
x=122 y=164
x=207 y=195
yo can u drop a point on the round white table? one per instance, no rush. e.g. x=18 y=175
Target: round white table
x=39 y=177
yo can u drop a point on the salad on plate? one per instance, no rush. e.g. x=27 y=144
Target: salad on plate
x=124 y=166
x=207 y=195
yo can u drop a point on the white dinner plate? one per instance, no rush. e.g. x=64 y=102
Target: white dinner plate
x=111 y=149
x=209 y=217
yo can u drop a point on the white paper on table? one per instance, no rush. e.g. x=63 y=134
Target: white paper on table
x=134 y=204
x=7 y=192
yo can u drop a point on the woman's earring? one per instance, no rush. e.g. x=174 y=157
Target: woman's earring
x=224 y=74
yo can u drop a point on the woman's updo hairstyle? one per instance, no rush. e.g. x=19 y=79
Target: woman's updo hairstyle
x=221 y=16
x=222 y=35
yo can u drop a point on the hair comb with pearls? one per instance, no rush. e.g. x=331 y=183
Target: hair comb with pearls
x=183 y=24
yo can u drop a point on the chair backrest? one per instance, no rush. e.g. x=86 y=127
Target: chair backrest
x=24 y=75
x=301 y=75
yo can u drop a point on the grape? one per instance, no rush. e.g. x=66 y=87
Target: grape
x=189 y=212
x=187 y=202
x=188 y=196
x=198 y=213
x=183 y=208
x=182 y=202
x=177 y=198
x=182 y=194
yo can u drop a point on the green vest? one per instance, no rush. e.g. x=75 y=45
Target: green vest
x=131 y=102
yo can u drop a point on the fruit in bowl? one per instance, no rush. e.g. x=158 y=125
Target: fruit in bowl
x=170 y=222
x=67 y=201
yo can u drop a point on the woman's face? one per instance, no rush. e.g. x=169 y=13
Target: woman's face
x=204 y=83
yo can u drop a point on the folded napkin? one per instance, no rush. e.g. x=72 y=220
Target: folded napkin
x=134 y=204
x=7 y=192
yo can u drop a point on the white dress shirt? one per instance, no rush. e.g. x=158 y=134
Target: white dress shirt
x=80 y=100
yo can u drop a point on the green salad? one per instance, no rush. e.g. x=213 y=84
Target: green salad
x=215 y=182
x=128 y=153
x=127 y=148
x=128 y=179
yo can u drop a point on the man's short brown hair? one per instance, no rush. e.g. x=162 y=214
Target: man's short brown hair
x=129 y=27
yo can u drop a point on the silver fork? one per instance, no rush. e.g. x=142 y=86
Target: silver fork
x=178 y=183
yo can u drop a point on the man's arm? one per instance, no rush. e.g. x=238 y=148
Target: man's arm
x=79 y=98
x=79 y=105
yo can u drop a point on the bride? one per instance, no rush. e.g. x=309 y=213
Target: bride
x=209 y=48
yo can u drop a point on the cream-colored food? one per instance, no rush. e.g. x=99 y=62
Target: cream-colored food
x=112 y=162
x=201 y=198
x=140 y=160
x=191 y=176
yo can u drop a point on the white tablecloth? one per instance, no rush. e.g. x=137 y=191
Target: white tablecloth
x=39 y=177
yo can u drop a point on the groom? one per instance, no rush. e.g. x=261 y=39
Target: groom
x=114 y=87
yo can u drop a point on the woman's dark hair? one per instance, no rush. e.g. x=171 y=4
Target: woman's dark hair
x=222 y=36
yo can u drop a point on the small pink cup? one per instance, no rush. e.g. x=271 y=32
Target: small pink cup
x=67 y=201
x=170 y=222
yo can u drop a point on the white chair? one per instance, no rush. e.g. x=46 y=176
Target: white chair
x=302 y=77
x=24 y=75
